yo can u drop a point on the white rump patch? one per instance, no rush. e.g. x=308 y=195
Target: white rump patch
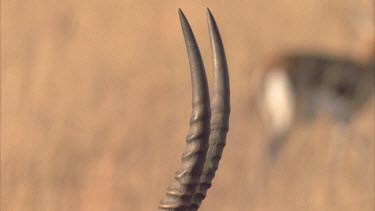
x=279 y=100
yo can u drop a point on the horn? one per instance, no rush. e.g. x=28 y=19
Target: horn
x=220 y=112
x=180 y=193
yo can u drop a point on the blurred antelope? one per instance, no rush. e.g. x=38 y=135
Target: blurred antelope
x=299 y=86
x=208 y=126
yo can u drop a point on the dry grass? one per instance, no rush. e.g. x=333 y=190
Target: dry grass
x=96 y=101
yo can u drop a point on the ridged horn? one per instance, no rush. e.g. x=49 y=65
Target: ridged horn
x=220 y=111
x=180 y=193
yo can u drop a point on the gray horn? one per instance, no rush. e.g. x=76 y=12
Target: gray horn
x=206 y=138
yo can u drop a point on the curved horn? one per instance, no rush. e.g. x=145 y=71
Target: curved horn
x=220 y=112
x=180 y=193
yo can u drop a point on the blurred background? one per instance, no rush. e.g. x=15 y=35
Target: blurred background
x=96 y=99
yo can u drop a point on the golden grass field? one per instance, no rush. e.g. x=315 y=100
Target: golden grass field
x=96 y=99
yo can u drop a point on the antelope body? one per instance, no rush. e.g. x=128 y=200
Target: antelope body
x=300 y=86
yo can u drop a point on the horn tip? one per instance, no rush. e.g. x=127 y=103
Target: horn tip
x=209 y=11
x=181 y=14
x=209 y=15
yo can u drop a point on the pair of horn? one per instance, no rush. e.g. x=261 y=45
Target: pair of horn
x=208 y=125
